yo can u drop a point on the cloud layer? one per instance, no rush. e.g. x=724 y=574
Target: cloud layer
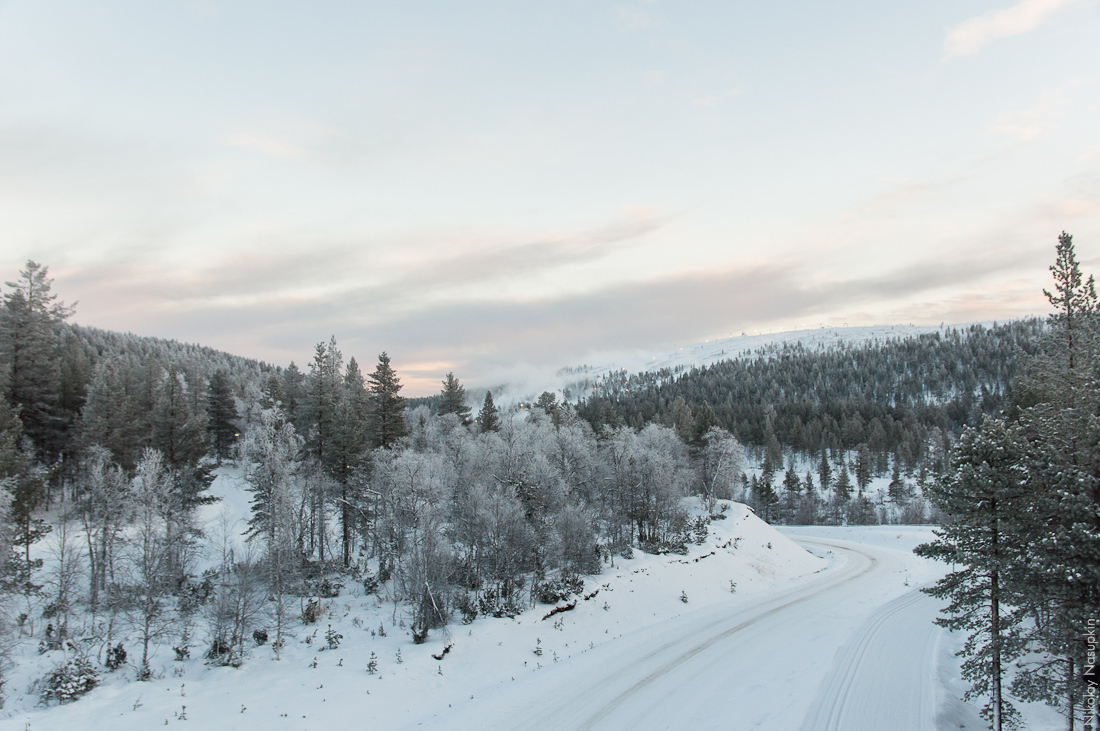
x=972 y=35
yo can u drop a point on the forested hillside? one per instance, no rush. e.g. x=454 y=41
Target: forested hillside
x=109 y=445
x=901 y=399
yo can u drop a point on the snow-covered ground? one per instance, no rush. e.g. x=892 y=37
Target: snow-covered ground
x=834 y=637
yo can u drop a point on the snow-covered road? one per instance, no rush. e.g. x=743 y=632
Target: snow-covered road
x=851 y=648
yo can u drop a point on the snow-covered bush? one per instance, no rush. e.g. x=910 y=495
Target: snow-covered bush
x=556 y=590
x=69 y=680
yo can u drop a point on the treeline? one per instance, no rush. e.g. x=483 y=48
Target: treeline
x=871 y=408
x=1021 y=496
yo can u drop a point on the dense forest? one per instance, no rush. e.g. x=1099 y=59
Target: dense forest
x=889 y=398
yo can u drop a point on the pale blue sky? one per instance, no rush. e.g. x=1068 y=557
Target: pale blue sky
x=481 y=186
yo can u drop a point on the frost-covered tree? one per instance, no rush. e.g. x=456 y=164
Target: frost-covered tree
x=30 y=323
x=720 y=464
x=178 y=431
x=112 y=417
x=151 y=554
x=104 y=506
x=271 y=456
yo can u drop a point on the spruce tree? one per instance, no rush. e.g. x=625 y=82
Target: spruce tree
x=488 y=419
x=453 y=399
x=388 y=406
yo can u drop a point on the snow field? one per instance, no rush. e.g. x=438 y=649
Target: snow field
x=314 y=686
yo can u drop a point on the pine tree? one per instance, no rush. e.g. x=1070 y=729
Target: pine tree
x=177 y=432
x=764 y=494
x=488 y=419
x=824 y=470
x=350 y=450
x=27 y=492
x=1062 y=584
x=453 y=399
x=548 y=402
x=292 y=390
x=983 y=494
x=842 y=486
x=112 y=417
x=388 y=406
x=897 y=489
x=319 y=408
x=221 y=413
x=705 y=420
x=30 y=325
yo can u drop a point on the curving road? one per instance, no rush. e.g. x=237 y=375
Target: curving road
x=839 y=651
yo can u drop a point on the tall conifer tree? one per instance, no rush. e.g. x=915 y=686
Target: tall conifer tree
x=389 y=406
x=453 y=399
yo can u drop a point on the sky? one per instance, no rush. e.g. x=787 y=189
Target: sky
x=497 y=185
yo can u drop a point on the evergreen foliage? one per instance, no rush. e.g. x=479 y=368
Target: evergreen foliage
x=453 y=399
x=488 y=418
x=387 y=406
x=30 y=373
x=221 y=412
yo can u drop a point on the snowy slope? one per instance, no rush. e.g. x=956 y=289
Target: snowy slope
x=315 y=687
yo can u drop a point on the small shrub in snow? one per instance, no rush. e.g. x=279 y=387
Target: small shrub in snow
x=53 y=639
x=492 y=602
x=312 y=611
x=556 y=590
x=663 y=546
x=332 y=638
x=219 y=650
x=259 y=636
x=70 y=680
x=329 y=589
x=116 y=657
x=372 y=664
x=466 y=608
x=700 y=527
x=684 y=597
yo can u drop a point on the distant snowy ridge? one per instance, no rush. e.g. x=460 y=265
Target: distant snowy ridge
x=572 y=380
